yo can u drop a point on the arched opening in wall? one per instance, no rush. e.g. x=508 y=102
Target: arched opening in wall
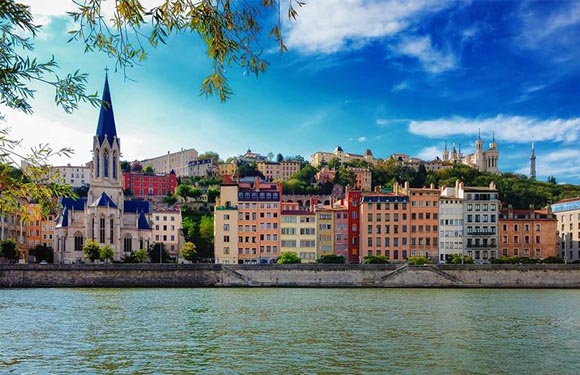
x=98 y=161
x=128 y=243
x=79 y=241
x=327 y=202
x=115 y=165
x=111 y=229
x=300 y=203
x=307 y=204
x=106 y=163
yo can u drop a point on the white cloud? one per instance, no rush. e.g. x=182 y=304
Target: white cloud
x=433 y=60
x=328 y=26
x=401 y=86
x=362 y=139
x=518 y=129
x=430 y=153
x=384 y=122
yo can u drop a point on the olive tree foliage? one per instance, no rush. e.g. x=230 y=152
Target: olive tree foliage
x=230 y=30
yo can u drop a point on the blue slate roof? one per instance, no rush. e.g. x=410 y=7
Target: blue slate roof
x=136 y=206
x=73 y=204
x=106 y=125
x=62 y=219
x=104 y=201
x=143 y=223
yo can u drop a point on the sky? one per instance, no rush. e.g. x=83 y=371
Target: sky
x=389 y=76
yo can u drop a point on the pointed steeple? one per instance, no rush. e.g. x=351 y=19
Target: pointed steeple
x=106 y=126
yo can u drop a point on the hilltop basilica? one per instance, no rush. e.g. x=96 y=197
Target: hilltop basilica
x=482 y=160
x=104 y=215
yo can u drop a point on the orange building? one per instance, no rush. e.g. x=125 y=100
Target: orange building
x=384 y=225
x=528 y=233
x=259 y=215
x=424 y=212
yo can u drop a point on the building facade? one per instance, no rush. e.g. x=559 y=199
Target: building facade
x=567 y=212
x=143 y=185
x=176 y=161
x=203 y=168
x=482 y=160
x=480 y=217
x=298 y=232
x=528 y=233
x=451 y=233
x=166 y=229
x=344 y=157
x=279 y=171
x=226 y=225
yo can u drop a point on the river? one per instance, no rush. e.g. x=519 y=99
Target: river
x=289 y=331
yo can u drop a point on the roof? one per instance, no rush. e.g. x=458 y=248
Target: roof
x=142 y=222
x=62 y=220
x=479 y=188
x=106 y=125
x=104 y=201
x=136 y=206
x=73 y=204
x=568 y=200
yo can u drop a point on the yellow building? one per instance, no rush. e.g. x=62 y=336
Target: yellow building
x=226 y=225
x=298 y=232
x=325 y=236
x=228 y=169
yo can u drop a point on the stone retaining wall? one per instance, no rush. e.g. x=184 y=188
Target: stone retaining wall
x=312 y=275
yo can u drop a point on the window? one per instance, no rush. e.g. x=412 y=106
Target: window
x=106 y=164
x=102 y=230
x=78 y=241
x=111 y=230
x=128 y=244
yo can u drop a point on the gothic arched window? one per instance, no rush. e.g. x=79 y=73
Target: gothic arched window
x=114 y=165
x=98 y=166
x=78 y=241
x=106 y=164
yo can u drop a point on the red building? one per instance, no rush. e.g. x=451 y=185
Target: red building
x=353 y=199
x=149 y=185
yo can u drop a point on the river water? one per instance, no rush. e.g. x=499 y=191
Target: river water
x=289 y=331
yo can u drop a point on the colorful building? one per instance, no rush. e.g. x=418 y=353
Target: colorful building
x=278 y=171
x=567 y=212
x=228 y=169
x=298 y=232
x=451 y=234
x=528 y=233
x=226 y=225
x=424 y=223
x=353 y=201
x=325 y=234
x=143 y=185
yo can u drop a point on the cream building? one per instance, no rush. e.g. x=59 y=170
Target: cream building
x=176 y=161
x=167 y=229
x=567 y=212
x=280 y=171
x=344 y=157
x=451 y=237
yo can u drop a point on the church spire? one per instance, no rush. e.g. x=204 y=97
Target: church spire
x=533 y=163
x=106 y=125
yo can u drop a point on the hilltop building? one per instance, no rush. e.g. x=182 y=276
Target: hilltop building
x=104 y=216
x=482 y=160
x=176 y=161
x=344 y=157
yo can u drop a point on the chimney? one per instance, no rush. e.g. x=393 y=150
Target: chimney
x=432 y=186
x=406 y=191
x=257 y=183
x=492 y=185
x=442 y=188
x=510 y=211
x=396 y=188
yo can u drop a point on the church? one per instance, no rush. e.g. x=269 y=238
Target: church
x=104 y=215
x=482 y=160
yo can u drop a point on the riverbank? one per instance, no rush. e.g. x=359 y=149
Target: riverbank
x=304 y=275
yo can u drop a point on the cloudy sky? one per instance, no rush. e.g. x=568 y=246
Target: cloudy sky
x=390 y=76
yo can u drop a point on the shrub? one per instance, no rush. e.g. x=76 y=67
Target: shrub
x=553 y=260
x=331 y=258
x=9 y=250
x=418 y=261
x=463 y=259
x=376 y=259
x=289 y=258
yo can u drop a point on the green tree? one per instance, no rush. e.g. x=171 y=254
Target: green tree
x=41 y=252
x=212 y=194
x=148 y=169
x=125 y=166
x=279 y=158
x=206 y=237
x=189 y=252
x=141 y=256
x=92 y=250
x=289 y=258
x=106 y=253
x=157 y=250
x=461 y=259
x=209 y=155
x=551 y=180
x=170 y=199
x=9 y=250
x=331 y=258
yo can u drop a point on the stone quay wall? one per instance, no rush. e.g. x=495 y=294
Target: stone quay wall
x=303 y=275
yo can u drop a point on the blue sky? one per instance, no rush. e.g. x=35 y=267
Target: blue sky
x=393 y=77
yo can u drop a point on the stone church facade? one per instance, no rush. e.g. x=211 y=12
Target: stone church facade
x=104 y=215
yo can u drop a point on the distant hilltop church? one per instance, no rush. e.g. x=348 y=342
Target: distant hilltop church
x=482 y=160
